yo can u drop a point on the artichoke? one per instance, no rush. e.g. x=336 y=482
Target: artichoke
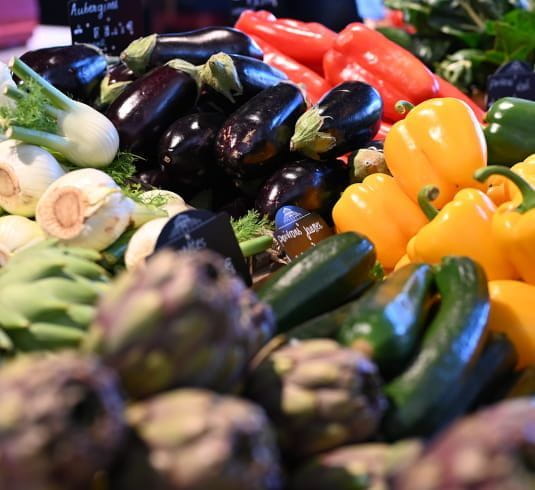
x=491 y=450
x=182 y=321
x=199 y=440
x=360 y=467
x=47 y=297
x=61 y=422
x=319 y=395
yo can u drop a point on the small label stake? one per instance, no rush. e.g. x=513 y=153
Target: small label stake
x=200 y=230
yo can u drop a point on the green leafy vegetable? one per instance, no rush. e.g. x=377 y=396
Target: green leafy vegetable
x=252 y=225
x=467 y=40
x=514 y=37
x=122 y=170
x=30 y=111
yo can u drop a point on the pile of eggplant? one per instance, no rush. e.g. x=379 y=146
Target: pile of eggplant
x=209 y=118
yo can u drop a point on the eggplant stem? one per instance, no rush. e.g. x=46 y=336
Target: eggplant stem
x=55 y=96
x=527 y=191
x=256 y=245
x=308 y=137
x=40 y=138
x=425 y=196
x=220 y=73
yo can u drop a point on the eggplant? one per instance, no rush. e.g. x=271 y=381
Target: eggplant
x=236 y=208
x=151 y=178
x=311 y=185
x=194 y=47
x=148 y=106
x=114 y=83
x=186 y=150
x=228 y=81
x=75 y=70
x=120 y=73
x=346 y=118
x=256 y=137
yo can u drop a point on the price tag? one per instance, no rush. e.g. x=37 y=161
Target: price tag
x=110 y=25
x=201 y=230
x=297 y=230
x=515 y=79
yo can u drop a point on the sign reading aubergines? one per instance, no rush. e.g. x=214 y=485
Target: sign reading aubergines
x=110 y=25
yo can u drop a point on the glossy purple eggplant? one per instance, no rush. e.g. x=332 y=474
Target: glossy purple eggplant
x=149 y=105
x=186 y=150
x=119 y=76
x=255 y=139
x=231 y=80
x=345 y=119
x=311 y=185
x=193 y=46
x=120 y=73
x=75 y=70
x=151 y=178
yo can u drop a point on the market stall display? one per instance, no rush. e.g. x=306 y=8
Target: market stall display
x=363 y=318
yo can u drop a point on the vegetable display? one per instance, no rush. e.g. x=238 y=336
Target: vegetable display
x=439 y=143
x=333 y=127
x=507 y=119
x=76 y=70
x=270 y=257
x=194 y=47
x=361 y=53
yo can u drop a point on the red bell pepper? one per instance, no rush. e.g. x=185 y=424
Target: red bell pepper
x=361 y=53
x=316 y=87
x=446 y=89
x=305 y=42
x=383 y=131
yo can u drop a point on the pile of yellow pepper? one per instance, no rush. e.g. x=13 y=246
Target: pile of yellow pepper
x=442 y=199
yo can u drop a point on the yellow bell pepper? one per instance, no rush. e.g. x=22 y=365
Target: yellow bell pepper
x=402 y=262
x=513 y=225
x=439 y=143
x=462 y=227
x=379 y=209
x=502 y=189
x=512 y=313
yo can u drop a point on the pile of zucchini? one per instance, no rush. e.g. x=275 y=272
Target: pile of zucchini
x=424 y=326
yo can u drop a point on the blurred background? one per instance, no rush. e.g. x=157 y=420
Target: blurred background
x=189 y=14
x=32 y=24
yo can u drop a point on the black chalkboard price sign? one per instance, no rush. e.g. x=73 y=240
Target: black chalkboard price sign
x=110 y=25
x=515 y=79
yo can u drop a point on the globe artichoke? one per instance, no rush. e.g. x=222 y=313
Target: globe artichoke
x=199 y=440
x=491 y=450
x=359 y=467
x=61 y=421
x=47 y=297
x=182 y=321
x=319 y=395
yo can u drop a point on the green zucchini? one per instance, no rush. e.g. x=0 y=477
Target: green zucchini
x=388 y=320
x=497 y=361
x=321 y=279
x=451 y=345
x=113 y=257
